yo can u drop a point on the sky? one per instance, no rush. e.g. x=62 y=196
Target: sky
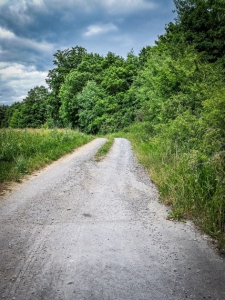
x=31 y=31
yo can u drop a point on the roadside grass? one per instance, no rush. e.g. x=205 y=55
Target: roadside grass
x=189 y=181
x=105 y=148
x=23 y=151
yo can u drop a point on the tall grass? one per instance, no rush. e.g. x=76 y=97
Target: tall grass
x=192 y=182
x=22 y=151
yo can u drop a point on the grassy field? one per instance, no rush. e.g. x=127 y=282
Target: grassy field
x=23 y=151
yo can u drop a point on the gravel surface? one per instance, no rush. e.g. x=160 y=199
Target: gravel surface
x=82 y=229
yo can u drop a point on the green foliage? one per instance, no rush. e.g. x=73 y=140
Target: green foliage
x=115 y=80
x=200 y=23
x=65 y=61
x=91 y=63
x=31 y=112
x=93 y=104
x=3 y=116
x=214 y=117
x=113 y=105
x=6 y=113
x=33 y=108
x=182 y=139
x=74 y=84
x=14 y=120
x=95 y=97
x=53 y=104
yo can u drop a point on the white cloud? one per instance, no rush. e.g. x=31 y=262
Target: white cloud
x=24 y=42
x=38 y=2
x=112 y=6
x=126 y=6
x=42 y=47
x=99 y=29
x=21 y=4
x=20 y=79
x=18 y=72
x=3 y=2
x=4 y=33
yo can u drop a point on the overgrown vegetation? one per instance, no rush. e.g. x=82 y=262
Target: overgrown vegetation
x=22 y=151
x=172 y=93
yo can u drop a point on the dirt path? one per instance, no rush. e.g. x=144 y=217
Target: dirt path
x=88 y=230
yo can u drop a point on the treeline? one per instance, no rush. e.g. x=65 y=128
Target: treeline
x=175 y=91
x=86 y=91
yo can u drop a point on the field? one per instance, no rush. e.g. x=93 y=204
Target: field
x=23 y=151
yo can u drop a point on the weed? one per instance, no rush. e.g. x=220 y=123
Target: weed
x=21 y=164
x=104 y=149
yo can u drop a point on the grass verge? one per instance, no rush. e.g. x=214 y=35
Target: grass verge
x=188 y=180
x=23 y=151
x=104 y=149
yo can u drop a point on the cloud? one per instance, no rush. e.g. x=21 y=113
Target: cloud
x=21 y=50
x=126 y=6
x=88 y=6
x=17 y=80
x=39 y=46
x=3 y=2
x=6 y=34
x=99 y=29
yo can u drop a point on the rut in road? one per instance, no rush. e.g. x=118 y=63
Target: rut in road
x=95 y=230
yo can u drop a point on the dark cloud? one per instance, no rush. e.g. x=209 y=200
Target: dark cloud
x=31 y=31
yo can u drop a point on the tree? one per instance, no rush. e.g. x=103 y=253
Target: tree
x=112 y=59
x=200 y=23
x=91 y=63
x=73 y=84
x=115 y=80
x=15 y=119
x=3 y=115
x=33 y=107
x=8 y=113
x=93 y=104
x=65 y=61
x=169 y=86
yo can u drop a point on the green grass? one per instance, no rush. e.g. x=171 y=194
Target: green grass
x=190 y=181
x=104 y=149
x=23 y=151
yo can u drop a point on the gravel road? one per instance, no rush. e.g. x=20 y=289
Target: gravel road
x=82 y=229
